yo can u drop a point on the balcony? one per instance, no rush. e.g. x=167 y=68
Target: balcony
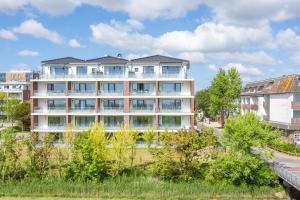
x=82 y=93
x=142 y=126
x=58 y=109
x=172 y=93
x=88 y=109
x=112 y=109
x=296 y=105
x=141 y=109
x=142 y=93
x=170 y=126
x=111 y=93
x=170 y=109
x=49 y=93
x=113 y=126
x=58 y=127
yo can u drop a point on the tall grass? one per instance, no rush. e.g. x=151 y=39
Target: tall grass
x=132 y=187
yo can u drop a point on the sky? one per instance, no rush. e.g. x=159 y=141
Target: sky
x=261 y=39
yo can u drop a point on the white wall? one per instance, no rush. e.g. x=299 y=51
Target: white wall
x=280 y=108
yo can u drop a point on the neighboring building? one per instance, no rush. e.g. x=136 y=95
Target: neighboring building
x=275 y=100
x=150 y=91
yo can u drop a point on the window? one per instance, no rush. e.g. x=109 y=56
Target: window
x=56 y=87
x=113 y=87
x=141 y=87
x=171 y=120
x=142 y=120
x=84 y=121
x=56 y=104
x=58 y=70
x=56 y=121
x=84 y=104
x=297 y=97
x=148 y=69
x=113 y=121
x=170 y=87
x=114 y=70
x=296 y=114
x=167 y=104
x=82 y=87
x=113 y=103
x=171 y=69
x=142 y=104
x=81 y=70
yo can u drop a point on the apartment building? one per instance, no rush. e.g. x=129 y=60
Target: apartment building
x=275 y=100
x=150 y=91
x=15 y=83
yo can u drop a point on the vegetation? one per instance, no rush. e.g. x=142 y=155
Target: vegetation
x=225 y=93
x=202 y=101
x=95 y=164
x=21 y=113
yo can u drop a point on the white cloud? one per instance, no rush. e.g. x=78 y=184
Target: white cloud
x=194 y=57
x=135 y=24
x=74 y=43
x=207 y=37
x=36 y=29
x=212 y=67
x=289 y=39
x=243 y=69
x=7 y=34
x=55 y=7
x=296 y=58
x=256 y=58
x=28 y=53
x=118 y=35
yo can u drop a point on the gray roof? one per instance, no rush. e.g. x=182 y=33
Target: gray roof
x=65 y=60
x=108 y=60
x=159 y=59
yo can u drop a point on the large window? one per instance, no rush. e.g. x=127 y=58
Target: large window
x=56 y=121
x=114 y=70
x=171 y=69
x=83 y=87
x=81 y=70
x=114 y=121
x=148 y=69
x=84 y=121
x=144 y=121
x=56 y=104
x=170 y=87
x=174 y=121
x=142 y=104
x=141 y=87
x=113 y=87
x=84 y=104
x=113 y=103
x=59 y=70
x=170 y=104
x=56 y=87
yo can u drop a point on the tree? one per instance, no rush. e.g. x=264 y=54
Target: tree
x=21 y=113
x=202 y=99
x=10 y=105
x=225 y=93
x=242 y=132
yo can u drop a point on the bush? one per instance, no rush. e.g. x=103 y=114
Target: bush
x=240 y=169
x=181 y=155
x=89 y=159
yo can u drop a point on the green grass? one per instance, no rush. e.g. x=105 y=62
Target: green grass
x=130 y=187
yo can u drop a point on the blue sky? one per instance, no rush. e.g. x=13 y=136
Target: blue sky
x=261 y=39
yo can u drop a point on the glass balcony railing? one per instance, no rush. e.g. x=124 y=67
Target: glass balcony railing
x=53 y=127
x=142 y=93
x=60 y=109
x=111 y=93
x=146 y=108
x=170 y=93
x=142 y=126
x=49 y=93
x=170 y=109
x=82 y=92
x=112 y=109
x=170 y=126
x=113 y=126
x=88 y=109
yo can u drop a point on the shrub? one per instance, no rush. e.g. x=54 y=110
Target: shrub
x=240 y=169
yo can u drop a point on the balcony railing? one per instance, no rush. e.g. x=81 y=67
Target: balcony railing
x=82 y=93
x=50 y=93
x=115 y=126
x=111 y=93
x=60 y=109
x=50 y=127
x=112 y=109
x=141 y=126
x=171 y=93
x=142 y=93
x=148 y=108
x=88 y=109
x=170 y=109
x=170 y=126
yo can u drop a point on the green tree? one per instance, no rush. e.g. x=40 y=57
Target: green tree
x=21 y=113
x=202 y=100
x=10 y=105
x=225 y=93
x=242 y=132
